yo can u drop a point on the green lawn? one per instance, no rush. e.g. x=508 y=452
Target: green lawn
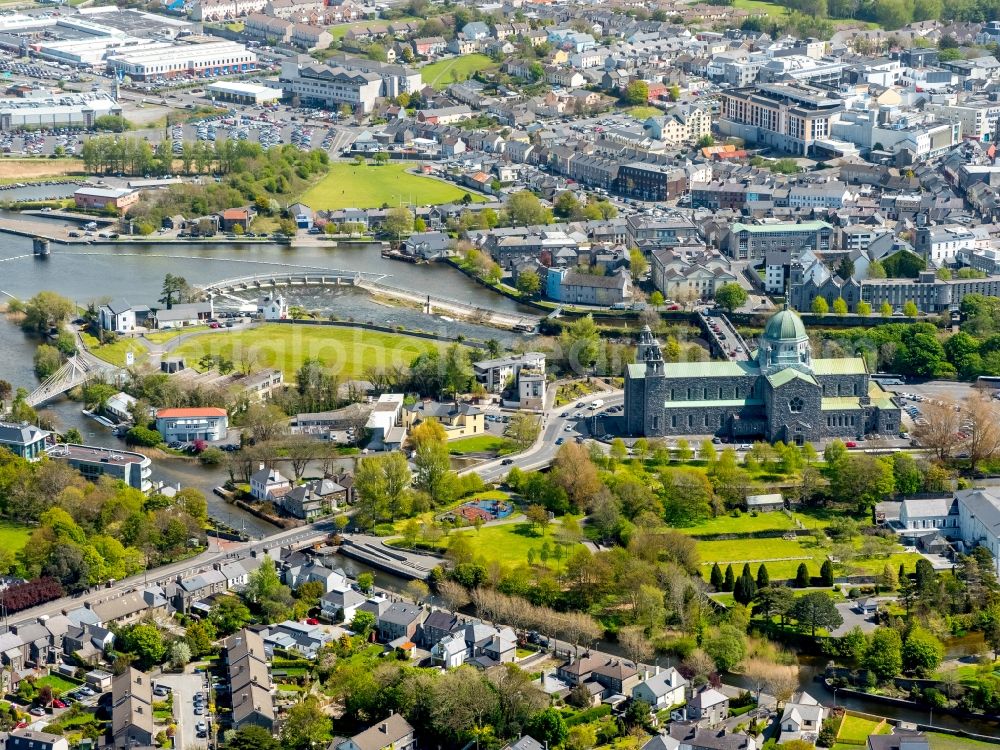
x=445 y=72
x=57 y=683
x=643 y=113
x=510 y=542
x=350 y=186
x=745 y=523
x=771 y=9
x=13 y=536
x=162 y=337
x=857 y=729
x=476 y=444
x=116 y=351
x=346 y=352
x=340 y=30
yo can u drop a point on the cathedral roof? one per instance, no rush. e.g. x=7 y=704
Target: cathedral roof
x=785 y=325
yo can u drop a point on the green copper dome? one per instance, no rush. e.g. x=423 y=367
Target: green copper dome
x=785 y=325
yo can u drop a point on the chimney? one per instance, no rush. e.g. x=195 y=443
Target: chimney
x=657 y=669
x=261 y=466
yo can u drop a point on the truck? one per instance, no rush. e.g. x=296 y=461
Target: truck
x=596 y=404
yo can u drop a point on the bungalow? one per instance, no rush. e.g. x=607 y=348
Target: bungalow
x=393 y=732
x=899 y=740
x=182 y=315
x=525 y=742
x=802 y=718
x=118 y=200
x=662 y=689
x=690 y=736
x=709 y=707
x=763 y=503
x=268 y=484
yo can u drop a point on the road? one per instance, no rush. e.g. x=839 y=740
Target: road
x=556 y=426
x=184 y=687
x=301 y=535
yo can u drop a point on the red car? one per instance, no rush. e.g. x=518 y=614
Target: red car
x=56 y=703
x=851 y=444
x=312 y=621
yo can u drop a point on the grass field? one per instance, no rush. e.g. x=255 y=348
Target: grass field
x=759 y=6
x=367 y=186
x=116 y=351
x=162 y=337
x=37 y=170
x=13 y=536
x=345 y=352
x=476 y=444
x=445 y=72
x=857 y=729
x=643 y=113
x=939 y=741
x=57 y=683
x=339 y=31
x=783 y=556
x=510 y=542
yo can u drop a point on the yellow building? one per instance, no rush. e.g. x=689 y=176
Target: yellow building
x=458 y=420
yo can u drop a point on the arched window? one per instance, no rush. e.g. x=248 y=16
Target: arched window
x=795 y=405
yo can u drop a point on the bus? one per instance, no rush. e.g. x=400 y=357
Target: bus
x=888 y=378
x=988 y=381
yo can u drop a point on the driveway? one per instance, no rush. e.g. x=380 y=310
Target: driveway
x=184 y=687
x=852 y=618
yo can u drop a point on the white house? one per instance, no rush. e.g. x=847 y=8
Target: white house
x=268 y=484
x=120 y=406
x=272 y=307
x=119 y=316
x=709 y=707
x=802 y=718
x=341 y=601
x=190 y=424
x=937 y=513
x=662 y=689
x=449 y=652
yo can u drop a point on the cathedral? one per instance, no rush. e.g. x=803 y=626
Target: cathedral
x=782 y=393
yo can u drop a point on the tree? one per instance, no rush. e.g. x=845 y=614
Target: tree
x=839 y=306
x=816 y=610
x=910 y=309
x=529 y=283
x=774 y=600
x=826 y=573
x=524 y=209
x=716 y=578
x=981 y=424
x=726 y=648
x=656 y=299
x=398 y=221
x=637 y=92
x=922 y=651
x=263 y=583
x=548 y=727
x=382 y=482
x=252 y=737
x=729 y=581
x=145 y=642
x=730 y=296
x=802 y=577
x=581 y=344
x=820 y=306
x=938 y=432
x=863 y=309
x=180 y=654
x=46 y=310
x=884 y=654
x=306 y=726
x=201 y=634
x=175 y=289
x=763 y=579
x=537 y=516
x=634 y=642
x=745 y=589
x=638 y=264
x=363 y=623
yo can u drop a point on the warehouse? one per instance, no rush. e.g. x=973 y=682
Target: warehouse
x=242 y=93
x=65 y=111
x=206 y=60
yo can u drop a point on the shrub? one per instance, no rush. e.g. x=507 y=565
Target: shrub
x=144 y=436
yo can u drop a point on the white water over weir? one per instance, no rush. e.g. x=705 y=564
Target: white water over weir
x=370 y=282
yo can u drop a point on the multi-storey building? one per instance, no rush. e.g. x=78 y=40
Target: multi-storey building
x=786 y=117
x=329 y=86
x=754 y=241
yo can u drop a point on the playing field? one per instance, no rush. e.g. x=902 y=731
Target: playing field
x=350 y=186
x=37 y=170
x=346 y=352
x=443 y=73
x=13 y=536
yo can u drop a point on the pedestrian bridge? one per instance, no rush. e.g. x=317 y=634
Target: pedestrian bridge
x=79 y=369
x=299 y=278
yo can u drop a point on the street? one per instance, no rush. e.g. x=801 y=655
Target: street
x=184 y=687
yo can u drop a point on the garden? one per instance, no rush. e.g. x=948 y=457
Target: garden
x=350 y=185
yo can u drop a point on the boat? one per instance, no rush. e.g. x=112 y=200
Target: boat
x=98 y=418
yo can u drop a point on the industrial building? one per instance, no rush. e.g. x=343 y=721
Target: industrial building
x=242 y=93
x=202 y=60
x=62 y=111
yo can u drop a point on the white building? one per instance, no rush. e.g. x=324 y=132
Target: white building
x=930 y=514
x=942 y=244
x=385 y=421
x=979 y=521
x=63 y=111
x=221 y=10
x=208 y=60
x=190 y=424
x=662 y=689
x=802 y=718
x=272 y=307
x=495 y=374
x=329 y=86
x=118 y=316
x=266 y=484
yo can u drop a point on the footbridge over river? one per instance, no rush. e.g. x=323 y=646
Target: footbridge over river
x=78 y=369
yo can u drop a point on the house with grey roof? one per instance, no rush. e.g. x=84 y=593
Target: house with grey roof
x=400 y=620
x=708 y=707
x=662 y=689
x=690 y=736
x=900 y=739
x=979 y=520
x=314 y=499
x=132 y=709
x=802 y=718
x=190 y=589
x=120 y=316
x=340 y=603
x=525 y=742
x=302 y=638
x=27 y=739
x=127 y=608
x=23 y=440
x=392 y=732
x=88 y=643
x=245 y=661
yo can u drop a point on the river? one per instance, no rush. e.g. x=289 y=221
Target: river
x=135 y=273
